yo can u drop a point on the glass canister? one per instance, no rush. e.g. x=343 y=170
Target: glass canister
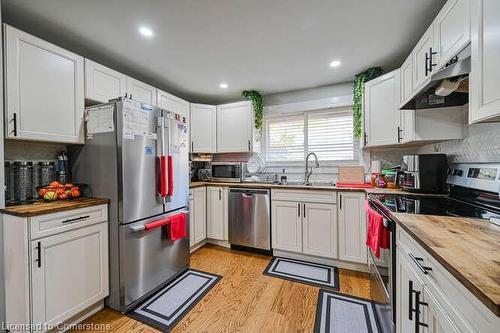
x=390 y=176
x=23 y=180
x=46 y=172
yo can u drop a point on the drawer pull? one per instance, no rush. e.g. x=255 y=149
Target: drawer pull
x=417 y=261
x=76 y=219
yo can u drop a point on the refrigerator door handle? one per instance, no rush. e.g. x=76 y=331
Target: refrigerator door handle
x=163 y=160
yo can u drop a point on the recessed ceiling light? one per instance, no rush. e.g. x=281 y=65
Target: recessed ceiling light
x=146 y=31
x=335 y=63
x=223 y=85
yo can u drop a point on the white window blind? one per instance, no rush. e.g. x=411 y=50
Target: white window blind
x=285 y=138
x=329 y=134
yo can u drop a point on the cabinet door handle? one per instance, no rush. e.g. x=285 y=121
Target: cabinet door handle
x=39 y=254
x=249 y=145
x=418 y=323
x=427 y=58
x=304 y=212
x=399 y=134
x=431 y=53
x=366 y=139
x=14 y=119
x=410 y=300
x=298 y=209
x=192 y=146
x=340 y=202
x=220 y=194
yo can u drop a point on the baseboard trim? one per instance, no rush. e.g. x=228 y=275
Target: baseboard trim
x=325 y=261
x=74 y=322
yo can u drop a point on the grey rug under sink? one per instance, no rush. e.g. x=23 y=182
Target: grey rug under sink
x=318 y=275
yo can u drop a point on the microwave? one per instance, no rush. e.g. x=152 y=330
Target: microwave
x=228 y=171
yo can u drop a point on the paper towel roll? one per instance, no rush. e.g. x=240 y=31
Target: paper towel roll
x=376 y=167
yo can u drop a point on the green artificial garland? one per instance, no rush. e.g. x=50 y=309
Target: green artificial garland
x=256 y=98
x=359 y=82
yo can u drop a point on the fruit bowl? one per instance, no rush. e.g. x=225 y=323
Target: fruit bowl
x=58 y=191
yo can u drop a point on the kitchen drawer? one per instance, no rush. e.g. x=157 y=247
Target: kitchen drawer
x=305 y=196
x=50 y=224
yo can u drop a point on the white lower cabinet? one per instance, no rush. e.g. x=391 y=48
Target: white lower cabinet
x=408 y=284
x=69 y=273
x=352 y=227
x=307 y=227
x=286 y=225
x=442 y=303
x=60 y=274
x=197 y=215
x=319 y=226
x=217 y=220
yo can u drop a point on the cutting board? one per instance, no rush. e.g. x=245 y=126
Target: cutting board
x=352 y=174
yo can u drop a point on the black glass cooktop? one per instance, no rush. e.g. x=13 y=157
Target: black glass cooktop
x=442 y=206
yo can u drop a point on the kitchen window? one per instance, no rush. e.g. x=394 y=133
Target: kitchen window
x=328 y=133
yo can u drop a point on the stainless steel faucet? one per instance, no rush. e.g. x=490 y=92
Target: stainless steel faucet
x=307 y=173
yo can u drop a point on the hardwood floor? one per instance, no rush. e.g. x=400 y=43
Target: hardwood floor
x=245 y=300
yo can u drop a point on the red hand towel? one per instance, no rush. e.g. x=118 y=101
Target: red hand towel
x=378 y=236
x=178 y=227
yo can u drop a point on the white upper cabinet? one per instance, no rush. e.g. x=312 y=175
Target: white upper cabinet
x=141 y=92
x=451 y=30
x=424 y=60
x=381 y=107
x=172 y=103
x=406 y=88
x=234 y=127
x=352 y=227
x=44 y=90
x=203 y=128
x=103 y=83
x=484 y=94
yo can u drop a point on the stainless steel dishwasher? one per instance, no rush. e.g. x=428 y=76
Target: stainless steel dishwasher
x=250 y=218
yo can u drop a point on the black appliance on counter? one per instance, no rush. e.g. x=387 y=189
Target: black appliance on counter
x=474 y=192
x=424 y=173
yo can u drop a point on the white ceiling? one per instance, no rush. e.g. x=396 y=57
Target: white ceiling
x=269 y=45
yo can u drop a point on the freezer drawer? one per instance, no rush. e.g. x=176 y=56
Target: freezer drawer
x=149 y=258
x=249 y=218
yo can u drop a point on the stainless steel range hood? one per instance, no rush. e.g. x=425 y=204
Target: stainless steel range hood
x=456 y=70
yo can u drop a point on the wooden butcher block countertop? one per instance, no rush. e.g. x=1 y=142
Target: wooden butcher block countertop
x=468 y=248
x=41 y=207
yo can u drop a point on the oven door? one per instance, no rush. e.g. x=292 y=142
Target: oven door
x=227 y=172
x=381 y=288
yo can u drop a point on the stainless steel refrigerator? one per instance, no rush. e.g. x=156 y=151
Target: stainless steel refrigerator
x=137 y=156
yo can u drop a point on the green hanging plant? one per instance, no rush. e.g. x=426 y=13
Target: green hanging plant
x=358 y=87
x=258 y=108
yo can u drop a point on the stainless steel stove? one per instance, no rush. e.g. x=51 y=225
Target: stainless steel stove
x=473 y=192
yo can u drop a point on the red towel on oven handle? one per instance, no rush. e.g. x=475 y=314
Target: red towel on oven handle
x=378 y=236
x=178 y=228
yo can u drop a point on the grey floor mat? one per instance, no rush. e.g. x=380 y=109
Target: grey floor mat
x=340 y=313
x=170 y=304
x=304 y=272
